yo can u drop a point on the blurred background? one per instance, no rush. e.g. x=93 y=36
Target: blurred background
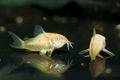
x=73 y=18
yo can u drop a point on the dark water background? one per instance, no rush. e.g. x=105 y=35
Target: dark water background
x=73 y=20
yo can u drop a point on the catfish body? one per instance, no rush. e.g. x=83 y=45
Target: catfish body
x=97 y=44
x=42 y=41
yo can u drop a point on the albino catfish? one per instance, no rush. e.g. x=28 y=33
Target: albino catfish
x=42 y=41
x=97 y=44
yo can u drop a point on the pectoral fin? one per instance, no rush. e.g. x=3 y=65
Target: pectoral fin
x=108 y=52
x=42 y=52
x=46 y=52
x=50 y=52
x=84 y=51
x=100 y=56
x=87 y=56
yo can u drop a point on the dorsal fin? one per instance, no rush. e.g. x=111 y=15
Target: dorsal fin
x=94 y=31
x=38 y=30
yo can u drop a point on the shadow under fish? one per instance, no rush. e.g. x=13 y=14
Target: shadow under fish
x=46 y=64
x=97 y=66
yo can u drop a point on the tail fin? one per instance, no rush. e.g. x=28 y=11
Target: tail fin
x=18 y=42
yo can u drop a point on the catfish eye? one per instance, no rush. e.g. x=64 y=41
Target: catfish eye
x=57 y=71
x=57 y=38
